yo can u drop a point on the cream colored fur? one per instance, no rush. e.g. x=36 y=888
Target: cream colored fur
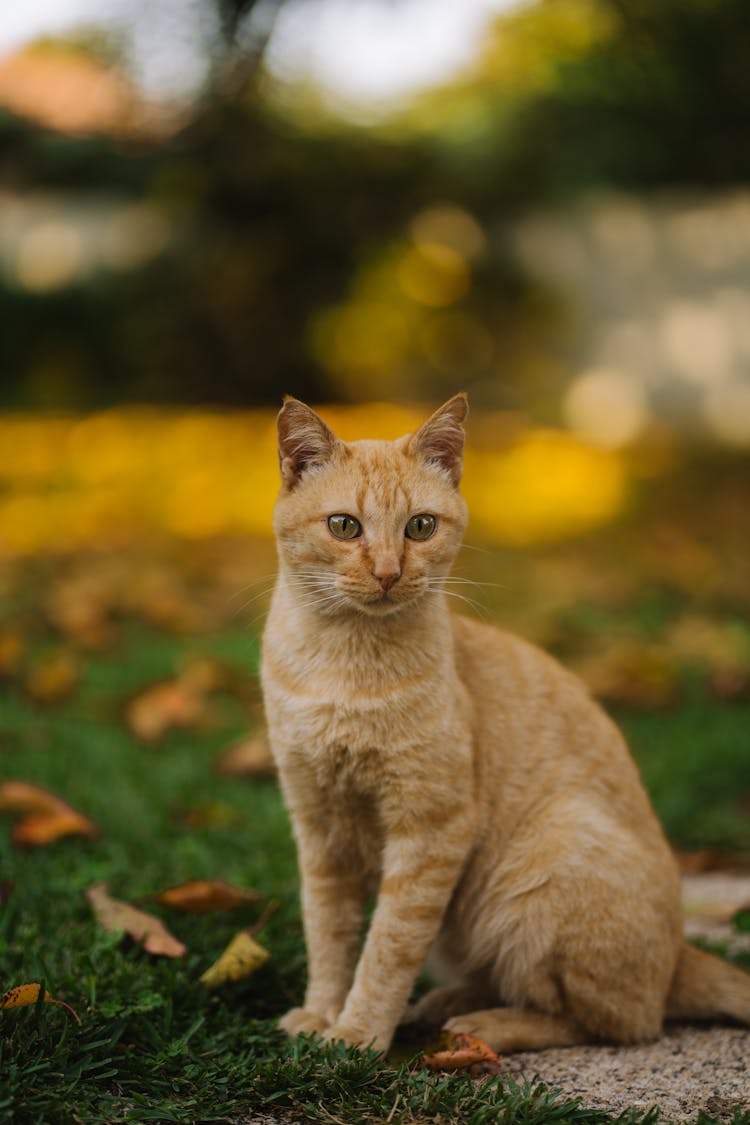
x=459 y=774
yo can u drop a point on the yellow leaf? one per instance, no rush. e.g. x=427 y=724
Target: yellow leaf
x=240 y=959
x=113 y=914
x=24 y=995
x=53 y=678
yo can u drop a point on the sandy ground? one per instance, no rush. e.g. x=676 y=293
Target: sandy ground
x=688 y=1070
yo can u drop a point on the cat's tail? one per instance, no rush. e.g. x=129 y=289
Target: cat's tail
x=706 y=987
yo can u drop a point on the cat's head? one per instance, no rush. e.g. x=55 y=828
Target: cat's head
x=368 y=526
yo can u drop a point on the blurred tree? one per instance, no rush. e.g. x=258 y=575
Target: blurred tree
x=281 y=223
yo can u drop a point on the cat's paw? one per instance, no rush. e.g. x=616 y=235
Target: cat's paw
x=356 y=1036
x=438 y=1004
x=301 y=1021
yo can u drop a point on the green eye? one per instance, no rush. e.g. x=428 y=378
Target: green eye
x=344 y=527
x=421 y=526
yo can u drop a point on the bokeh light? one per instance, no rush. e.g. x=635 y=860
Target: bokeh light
x=117 y=476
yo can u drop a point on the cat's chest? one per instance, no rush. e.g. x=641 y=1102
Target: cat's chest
x=349 y=786
x=351 y=774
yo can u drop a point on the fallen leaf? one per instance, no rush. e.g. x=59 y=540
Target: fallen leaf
x=172 y=703
x=161 y=601
x=113 y=914
x=202 y=896
x=81 y=609
x=701 y=860
x=40 y=829
x=249 y=758
x=44 y=818
x=52 y=678
x=204 y=673
x=23 y=796
x=721 y=649
x=460 y=1051
x=632 y=673
x=242 y=957
x=24 y=995
x=12 y=648
x=214 y=814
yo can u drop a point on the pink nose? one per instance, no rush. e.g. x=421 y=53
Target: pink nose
x=387 y=578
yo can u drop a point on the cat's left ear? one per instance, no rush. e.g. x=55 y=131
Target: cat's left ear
x=440 y=441
x=304 y=440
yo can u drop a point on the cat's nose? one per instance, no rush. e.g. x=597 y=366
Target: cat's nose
x=385 y=565
x=387 y=579
x=387 y=569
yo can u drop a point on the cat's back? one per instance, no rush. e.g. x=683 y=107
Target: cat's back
x=503 y=671
x=536 y=726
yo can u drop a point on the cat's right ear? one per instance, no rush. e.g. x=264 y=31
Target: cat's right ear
x=440 y=441
x=304 y=440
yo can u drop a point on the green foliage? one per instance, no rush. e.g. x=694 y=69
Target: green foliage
x=154 y=1045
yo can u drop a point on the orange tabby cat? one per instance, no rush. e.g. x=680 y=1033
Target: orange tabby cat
x=459 y=773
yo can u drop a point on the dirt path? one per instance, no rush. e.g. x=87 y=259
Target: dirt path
x=688 y=1070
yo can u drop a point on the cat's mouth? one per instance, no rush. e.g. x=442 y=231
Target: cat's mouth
x=379 y=603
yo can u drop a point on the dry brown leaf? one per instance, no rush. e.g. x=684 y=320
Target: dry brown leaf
x=39 y=829
x=214 y=814
x=161 y=600
x=632 y=673
x=169 y=704
x=44 y=818
x=720 y=648
x=204 y=674
x=242 y=957
x=202 y=896
x=249 y=758
x=52 y=678
x=24 y=995
x=701 y=860
x=459 y=1051
x=81 y=608
x=23 y=796
x=12 y=649
x=113 y=914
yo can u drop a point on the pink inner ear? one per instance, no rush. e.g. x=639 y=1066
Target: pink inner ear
x=440 y=441
x=304 y=440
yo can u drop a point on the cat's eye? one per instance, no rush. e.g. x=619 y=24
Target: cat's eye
x=344 y=527
x=420 y=526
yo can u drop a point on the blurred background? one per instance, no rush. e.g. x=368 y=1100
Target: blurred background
x=372 y=204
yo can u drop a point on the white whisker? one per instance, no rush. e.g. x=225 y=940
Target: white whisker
x=469 y=601
x=471 y=547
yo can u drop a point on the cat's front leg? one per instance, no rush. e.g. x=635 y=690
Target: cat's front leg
x=421 y=865
x=332 y=911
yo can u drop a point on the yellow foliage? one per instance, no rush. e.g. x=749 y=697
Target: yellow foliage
x=242 y=957
x=547 y=486
x=115 y=476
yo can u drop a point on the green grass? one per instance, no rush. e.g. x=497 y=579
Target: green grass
x=154 y=1044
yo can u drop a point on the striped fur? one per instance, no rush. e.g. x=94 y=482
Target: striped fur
x=460 y=775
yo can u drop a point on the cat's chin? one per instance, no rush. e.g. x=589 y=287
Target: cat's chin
x=382 y=606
